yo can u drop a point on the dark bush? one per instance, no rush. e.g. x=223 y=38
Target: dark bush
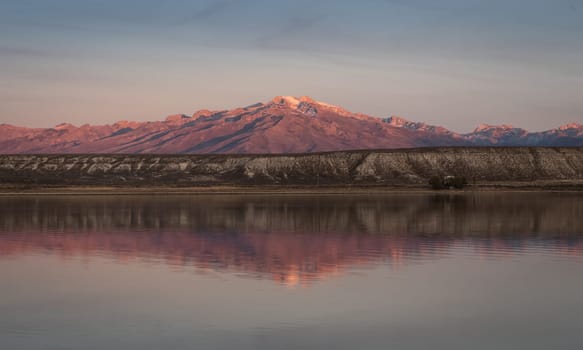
x=440 y=183
x=436 y=183
x=458 y=182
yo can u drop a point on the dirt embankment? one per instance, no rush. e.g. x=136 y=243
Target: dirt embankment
x=412 y=167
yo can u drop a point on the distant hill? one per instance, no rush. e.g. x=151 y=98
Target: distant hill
x=283 y=125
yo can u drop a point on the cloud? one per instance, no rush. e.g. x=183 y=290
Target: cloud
x=210 y=10
x=22 y=52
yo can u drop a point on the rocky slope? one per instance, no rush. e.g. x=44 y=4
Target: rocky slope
x=282 y=125
x=387 y=167
x=570 y=135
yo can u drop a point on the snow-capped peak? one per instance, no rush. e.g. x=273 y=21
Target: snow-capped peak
x=571 y=126
x=397 y=121
x=294 y=102
x=63 y=126
x=290 y=101
x=485 y=127
x=309 y=106
x=177 y=118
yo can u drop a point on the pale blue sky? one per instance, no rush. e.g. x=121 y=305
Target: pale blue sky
x=456 y=63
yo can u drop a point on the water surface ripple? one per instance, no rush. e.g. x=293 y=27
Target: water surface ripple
x=403 y=271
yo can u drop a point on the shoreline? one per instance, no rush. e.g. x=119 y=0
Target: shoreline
x=552 y=186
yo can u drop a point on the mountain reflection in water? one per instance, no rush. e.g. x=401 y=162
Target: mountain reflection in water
x=290 y=239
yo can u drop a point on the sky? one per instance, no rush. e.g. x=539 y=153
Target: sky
x=456 y=63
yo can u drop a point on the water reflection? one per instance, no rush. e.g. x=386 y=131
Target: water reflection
x=472 y=271
x=291 y=239
x=459 y=214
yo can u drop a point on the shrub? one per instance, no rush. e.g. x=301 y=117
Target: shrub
x=458 y=182
x=436 y=183
x=440 y=183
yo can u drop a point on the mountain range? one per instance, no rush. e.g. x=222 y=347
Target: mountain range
x=283 y=125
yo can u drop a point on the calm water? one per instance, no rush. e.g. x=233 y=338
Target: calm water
x=483 y=271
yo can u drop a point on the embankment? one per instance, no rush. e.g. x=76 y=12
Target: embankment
x=411 y=167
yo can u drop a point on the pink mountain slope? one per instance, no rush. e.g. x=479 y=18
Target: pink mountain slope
x=283 y=125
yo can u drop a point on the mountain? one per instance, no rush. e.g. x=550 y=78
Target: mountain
x=283 y=125
x=507 y=135
x=502 y=135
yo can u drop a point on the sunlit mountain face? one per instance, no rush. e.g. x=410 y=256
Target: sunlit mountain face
x=284 y=124
x=294 y=240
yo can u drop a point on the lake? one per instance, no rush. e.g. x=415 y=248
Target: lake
x=388 y=271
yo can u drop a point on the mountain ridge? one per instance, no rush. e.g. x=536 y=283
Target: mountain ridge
x=285 y=124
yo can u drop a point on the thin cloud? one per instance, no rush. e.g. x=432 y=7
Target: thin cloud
x=22 y=51
x=208 y=11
